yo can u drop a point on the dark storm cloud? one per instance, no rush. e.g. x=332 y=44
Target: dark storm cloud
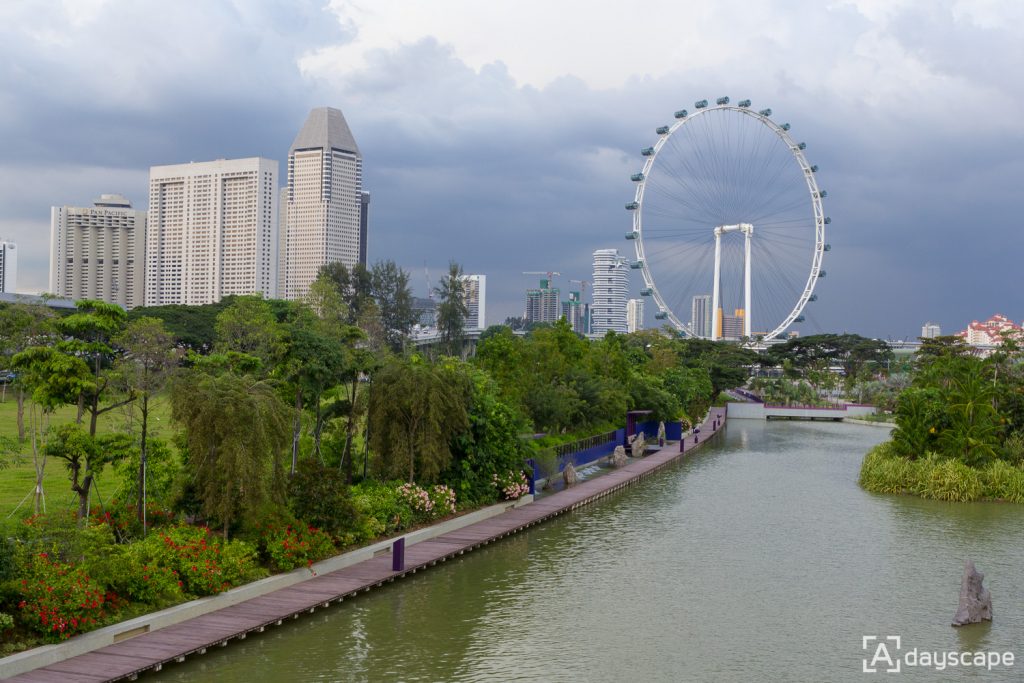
x=467 y=163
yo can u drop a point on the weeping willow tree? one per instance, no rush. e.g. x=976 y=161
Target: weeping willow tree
x=415 y=409
x=236 y=429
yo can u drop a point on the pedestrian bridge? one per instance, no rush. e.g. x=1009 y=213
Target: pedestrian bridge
x=767 y=411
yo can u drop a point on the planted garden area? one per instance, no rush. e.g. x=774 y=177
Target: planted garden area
x=179 y=451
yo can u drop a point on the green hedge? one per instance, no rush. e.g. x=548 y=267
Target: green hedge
x=941 y=479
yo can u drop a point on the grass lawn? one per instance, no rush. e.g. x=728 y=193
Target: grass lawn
x=18 y=480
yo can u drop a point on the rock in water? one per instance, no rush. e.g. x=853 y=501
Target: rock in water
x=619 y=457
x=639 y=446
x=975 y=601
x=569 y=475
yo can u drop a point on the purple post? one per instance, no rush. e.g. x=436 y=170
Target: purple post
x=696 y=438
x=682 y=443
x=398 y=555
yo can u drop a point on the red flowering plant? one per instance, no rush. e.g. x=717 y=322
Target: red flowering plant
x=287 y=546
x=204 y=563
x=59 y=600
x=123 y=517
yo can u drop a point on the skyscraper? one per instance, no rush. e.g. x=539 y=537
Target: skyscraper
x=611 y=281
x=99 y=252
x=574 y=313
x=212 y=231
x=700 y=316
x=931 y=330
x=542 y=303
x=634 y=315
x=8 y=267
x=322 y=218
x=476 y=301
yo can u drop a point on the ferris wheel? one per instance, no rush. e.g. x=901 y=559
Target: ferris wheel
x=728 y=224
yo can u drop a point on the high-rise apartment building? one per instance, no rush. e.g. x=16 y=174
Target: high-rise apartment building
x=574 y=311
x=475 y=287
x=610 y=283
x=8 y=267
x=321 y=217
x=99 y=252
x=700 y=316
x=634 y=315
x=364 y=221
x=212 y=231
x=542 y=304
x=731 y=325
x=931 y=330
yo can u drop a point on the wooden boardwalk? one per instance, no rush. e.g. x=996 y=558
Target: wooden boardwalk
x=151 y=651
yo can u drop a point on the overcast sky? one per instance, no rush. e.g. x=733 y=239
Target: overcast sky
x=502 y=134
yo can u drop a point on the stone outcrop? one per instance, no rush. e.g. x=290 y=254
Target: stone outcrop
x=639 y=445
x=975 y=601
x=618 y=457
x=569 y=475
x=661 y=433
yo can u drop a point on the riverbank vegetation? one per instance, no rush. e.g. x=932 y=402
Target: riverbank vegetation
x=959 y=431
x=178 y=451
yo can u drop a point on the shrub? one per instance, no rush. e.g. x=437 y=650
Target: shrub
x=319 y=496
x=6 y=622
x=204 y=563
x=380 y=501
x=512 y=485
x=289 y=547
x=954 y=481
x=59 y=600
x=1003 y=481
x=428 y=504
x=122 y=517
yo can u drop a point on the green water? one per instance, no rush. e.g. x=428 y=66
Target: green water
x=759 y=559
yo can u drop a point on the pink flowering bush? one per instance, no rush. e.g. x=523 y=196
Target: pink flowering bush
x=512 y=485
x=428 y=504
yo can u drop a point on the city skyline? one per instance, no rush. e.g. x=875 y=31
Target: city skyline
x=481 y=147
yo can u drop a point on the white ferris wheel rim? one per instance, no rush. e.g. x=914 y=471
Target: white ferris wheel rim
x=812 y=187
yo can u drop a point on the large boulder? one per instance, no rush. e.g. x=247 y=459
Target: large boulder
x=618 y=457
x=661 y=433
x=975 y=601
x=569 y=475
x=639 y=446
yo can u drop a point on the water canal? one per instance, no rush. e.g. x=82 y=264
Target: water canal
x=759 y=559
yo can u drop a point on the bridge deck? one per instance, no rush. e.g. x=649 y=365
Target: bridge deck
x=150 y=651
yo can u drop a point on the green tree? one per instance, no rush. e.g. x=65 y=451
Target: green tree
x=21 y=326
x=451 y=309
x=53 y=379
x=89 y=334
x=415 y=410
x=236 y=429
x=85 y=456
x=145 y=369
x=355 y=287
x=390 y=288
x=249 y=326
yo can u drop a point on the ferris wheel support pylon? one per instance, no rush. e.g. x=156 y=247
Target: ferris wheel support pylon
x=747 y=230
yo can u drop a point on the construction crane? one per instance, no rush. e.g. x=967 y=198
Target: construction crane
x=549 y=273
x=583 y=286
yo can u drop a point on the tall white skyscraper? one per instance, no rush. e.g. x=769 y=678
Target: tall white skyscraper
x=611 y=281
x=212 y=231
x=476 y=300
x=700 y=316
x=634 y=315
x=321 y=219
x=8 y=267
x=931 y=330
x=99 y=252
